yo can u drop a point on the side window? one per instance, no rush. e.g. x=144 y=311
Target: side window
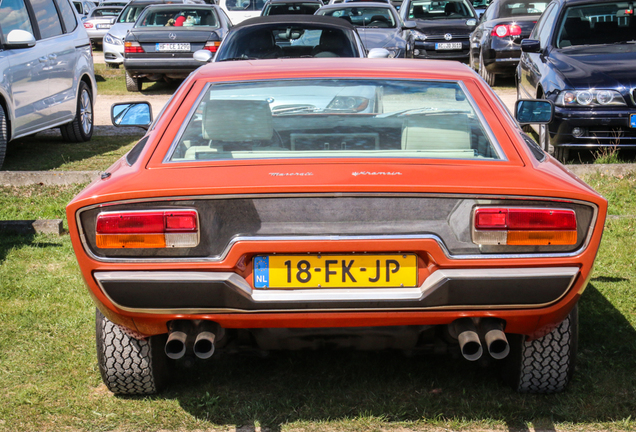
x=540 y=24
x=47 y=18
x=68 y=15
x=546 y=30
x=14 y=16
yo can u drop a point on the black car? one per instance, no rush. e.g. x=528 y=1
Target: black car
x=495 y=45
x=443 y=27
x=161 y=43
x=582 y=57
x=289 y=36
x=291 y=7
x=379 y=26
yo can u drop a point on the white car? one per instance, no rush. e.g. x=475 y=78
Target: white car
x=240 y=10
x=46 y=72
x=99 y=21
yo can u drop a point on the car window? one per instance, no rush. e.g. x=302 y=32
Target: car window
x=179 y=17
x=546 y=29
x=513 y=8
x=14 y=16
x=110 y=12
x=244 y=5
x=597 y=24
x=68 y=15
x=47 y=18
x=364 y=16
x=131 y=13
x=291 y=9
x=333 y=118
x=438 y=10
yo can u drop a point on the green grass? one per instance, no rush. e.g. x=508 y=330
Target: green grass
x=113 y=82
x=44 y=152
x=49 y=380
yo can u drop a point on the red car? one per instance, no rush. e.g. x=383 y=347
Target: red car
x=311 y=203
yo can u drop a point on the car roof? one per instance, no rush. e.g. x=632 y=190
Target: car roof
x=351 y=5
x=575 y=2
x=183 y=5
x=98 y=8
x=294 y=1
x=296 y=19
x=341 y=67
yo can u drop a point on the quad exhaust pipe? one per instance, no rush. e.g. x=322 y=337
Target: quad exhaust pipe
x=470 y=337
x=176 y=345
x=181 y=334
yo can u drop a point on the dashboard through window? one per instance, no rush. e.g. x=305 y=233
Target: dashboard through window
x=334 y=118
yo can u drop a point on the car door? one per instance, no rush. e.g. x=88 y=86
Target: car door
x=531 y=65
x=23 y=77
x=479 y=35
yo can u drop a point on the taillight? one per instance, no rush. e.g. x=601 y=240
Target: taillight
x=133 y=47
x=88 y=25
x=147 y=229
x=212 y=46
x=524 y=226
x=503 y=30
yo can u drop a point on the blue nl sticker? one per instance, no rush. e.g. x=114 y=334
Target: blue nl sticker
x=632 y=120
x=261 y=272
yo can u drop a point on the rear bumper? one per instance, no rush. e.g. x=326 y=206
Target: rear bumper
x=426 y=50
x=178 y=292
x=160 y=66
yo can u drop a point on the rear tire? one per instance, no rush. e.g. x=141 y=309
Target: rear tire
x=544 y=365
x=128 y=365
x=133 y=84
x=562 y=154
x=81 y=128
x=488 y=76
x=4 y=135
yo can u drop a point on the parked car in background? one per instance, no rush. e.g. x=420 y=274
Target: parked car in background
x=291 y=36
x=240 y=10
x=47 y=72
x=581 y=56
x=379 y=26
x=113 y=3
x=443 y=27
x=480 y=6
x=99 y=21
x=84 y=7
x=161 y=42
x=291 y=7
x=495 y=45
x=370 y=214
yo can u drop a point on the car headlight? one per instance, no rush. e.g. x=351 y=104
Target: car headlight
x=348 y=104
x=110 y=39
x=419 y=36
x=590 y=97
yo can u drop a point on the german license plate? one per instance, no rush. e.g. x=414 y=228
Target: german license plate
x=104 y=26
x=632 y=120
x=448 y=46
x=173 y=47
x=335 y=271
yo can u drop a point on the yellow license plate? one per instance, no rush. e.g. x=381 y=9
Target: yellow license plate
x=335 y=271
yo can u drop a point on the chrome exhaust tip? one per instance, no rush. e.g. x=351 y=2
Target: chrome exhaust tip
x=204 y=345
x=468 y=339
x=176 y=345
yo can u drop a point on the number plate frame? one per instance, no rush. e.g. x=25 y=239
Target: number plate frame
x=335 y=271
x=172 y=47
x=448 y=46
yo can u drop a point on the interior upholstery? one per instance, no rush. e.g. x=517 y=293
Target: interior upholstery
x=436 y=132
x=237 y=120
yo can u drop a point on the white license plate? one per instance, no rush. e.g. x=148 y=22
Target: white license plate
x=173 y=47
x=104 y=26
x=448 y=46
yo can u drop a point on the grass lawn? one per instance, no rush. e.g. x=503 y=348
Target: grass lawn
x=49 y=378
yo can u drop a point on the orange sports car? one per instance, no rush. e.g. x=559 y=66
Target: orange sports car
x=356 y=203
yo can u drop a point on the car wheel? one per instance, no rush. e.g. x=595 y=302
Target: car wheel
x=81 y=128
x=544 y=365
x=133 y=84
x=3 y=135
x=489 y=77
x=562 y=154
x=128 y=365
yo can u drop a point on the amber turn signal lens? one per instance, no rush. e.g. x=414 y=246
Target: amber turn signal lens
x=541 y=238
x=140 y=241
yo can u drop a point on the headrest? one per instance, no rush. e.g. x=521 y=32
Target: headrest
x=237 y=120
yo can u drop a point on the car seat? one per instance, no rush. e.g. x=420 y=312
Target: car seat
x=380 y=20
x=261 y=45
x=438 y=132
x=332 y=44
x=450 y=8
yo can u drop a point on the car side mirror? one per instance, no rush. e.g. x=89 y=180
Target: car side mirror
x=17 y=39
x=204 y=56
x=409 y=25
x=534 y=111
x=378 y=53
x=131 y=114
x=530 y=46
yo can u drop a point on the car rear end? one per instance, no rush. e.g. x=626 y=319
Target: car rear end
x=502 y=53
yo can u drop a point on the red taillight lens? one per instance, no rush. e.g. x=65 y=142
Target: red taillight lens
x=212 y=46
x=88 y=25
x=524 y=226
x=133 y=47
x=151 y=229
x=503 y=30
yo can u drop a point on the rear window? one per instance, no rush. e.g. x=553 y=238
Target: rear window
x=434 y=10
x=108 y=12
x=179 y=17
x=244 y=5
x=291 y=9
x=328 y=118
x=364 y=16
x=515 y=8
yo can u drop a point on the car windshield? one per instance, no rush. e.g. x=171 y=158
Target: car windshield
x=131 y=13
x=364 y=16
x=291 y=9
x=187 y=17
x=597 y=24
x=105 y=12
x=244 y=5
x=513 y=8
x=333 y=118
x=277 y=41
x=439 y=10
